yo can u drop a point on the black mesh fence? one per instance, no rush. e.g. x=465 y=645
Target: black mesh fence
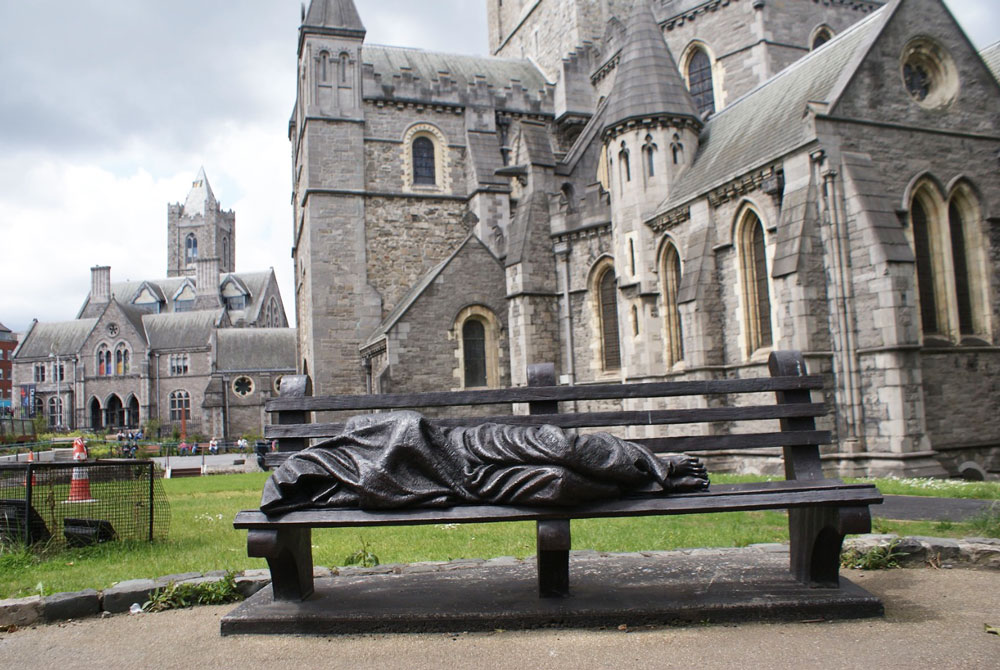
x=79 y=504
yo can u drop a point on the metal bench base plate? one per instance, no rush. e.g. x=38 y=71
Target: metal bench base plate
x=660 y=588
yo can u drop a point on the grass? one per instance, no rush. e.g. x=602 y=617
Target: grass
x=202 y=537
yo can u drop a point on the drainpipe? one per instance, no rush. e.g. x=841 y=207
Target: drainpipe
x=561 y=251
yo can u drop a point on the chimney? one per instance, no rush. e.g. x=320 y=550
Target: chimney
x=100 y=284
x=207 y=276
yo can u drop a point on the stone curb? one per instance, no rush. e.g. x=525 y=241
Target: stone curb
x=912 y=552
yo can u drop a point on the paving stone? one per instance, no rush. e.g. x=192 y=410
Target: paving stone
x=20 y=611
x=73 y=605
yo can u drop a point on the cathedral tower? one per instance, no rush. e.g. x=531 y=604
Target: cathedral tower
x=199 y=228
x=336 y=305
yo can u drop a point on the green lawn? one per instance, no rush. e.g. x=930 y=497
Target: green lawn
x=202 y=537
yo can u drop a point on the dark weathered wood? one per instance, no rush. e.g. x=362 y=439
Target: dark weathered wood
x=552 y=545
x=294 y=388
x=527 y=394
x=288 y=550
x=664 y=417
x=542 y=374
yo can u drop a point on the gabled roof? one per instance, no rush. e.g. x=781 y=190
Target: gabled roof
x=407 y=301
x=769 y=121
x=255 y=349
x=648 y=83
x=64 y=338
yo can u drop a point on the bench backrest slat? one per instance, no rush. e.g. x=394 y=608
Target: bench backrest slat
x=528 y=394
x=587 y=419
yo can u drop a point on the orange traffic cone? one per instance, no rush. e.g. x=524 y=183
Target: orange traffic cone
x=34 y=481
x=79 y=486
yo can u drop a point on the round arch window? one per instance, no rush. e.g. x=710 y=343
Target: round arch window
x=929 y=73
x=243 y=386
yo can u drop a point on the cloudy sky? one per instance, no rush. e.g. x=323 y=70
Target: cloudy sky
x=109 y=107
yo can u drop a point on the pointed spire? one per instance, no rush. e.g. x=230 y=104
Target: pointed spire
x=200 y=196
x=648 y=83
x=339 y=17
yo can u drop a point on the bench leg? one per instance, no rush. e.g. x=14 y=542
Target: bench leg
x=289 y=556
x=816 y=535
x=553 y=544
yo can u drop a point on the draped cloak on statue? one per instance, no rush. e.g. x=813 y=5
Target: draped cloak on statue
x=399 y=459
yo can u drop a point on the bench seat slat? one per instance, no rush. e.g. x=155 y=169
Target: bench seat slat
x=586 y=419
x=740 y=497
x=526 y=394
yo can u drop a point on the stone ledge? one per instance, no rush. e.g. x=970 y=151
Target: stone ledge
x=937 y=552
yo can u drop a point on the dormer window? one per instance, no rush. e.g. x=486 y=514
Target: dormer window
x=184 y=299
x=238 y=302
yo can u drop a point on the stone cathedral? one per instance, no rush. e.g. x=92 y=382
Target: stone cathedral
x=648 y=190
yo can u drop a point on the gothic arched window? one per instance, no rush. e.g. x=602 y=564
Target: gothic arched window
x=625 y=163
x=611 y=356
x=121 y=360
x=423 y=161
x=699 y=75
x=104 y=367
x=55 y=412
x=474 y=352
x=671 y=310
x=190 y=249
x=756 y=294
x=925 y=268
x=649 y=156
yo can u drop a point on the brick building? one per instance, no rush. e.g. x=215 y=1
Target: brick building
x=663 y=189
x=8 y=342
x=200 y=350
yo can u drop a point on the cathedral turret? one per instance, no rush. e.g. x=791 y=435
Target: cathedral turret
x=200 y=228
x=330 y=40
x=650 y=135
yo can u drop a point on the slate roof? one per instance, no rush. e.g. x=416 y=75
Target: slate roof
x=336 y=14
x=768 y=122
x=186 y=330
x=270 y=349
x=499 y=73
x=64 y=338
x=125 y=292
x=648 y=83
x=991 y=55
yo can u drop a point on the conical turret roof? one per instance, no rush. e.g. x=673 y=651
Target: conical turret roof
x=340 y=16
x=200 y=197
x=648 y=83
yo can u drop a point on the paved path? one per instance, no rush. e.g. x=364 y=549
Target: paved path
x=929 y=509
x=934 y=619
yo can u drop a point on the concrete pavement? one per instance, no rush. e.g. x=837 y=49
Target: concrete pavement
x=934 y=619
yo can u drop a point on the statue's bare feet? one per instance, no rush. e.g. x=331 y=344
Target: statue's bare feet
x=687 y=473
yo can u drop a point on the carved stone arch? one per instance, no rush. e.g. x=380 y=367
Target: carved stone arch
x=924 y=179
x=670 y=265
x=819 y=36
x=969 y=238
x=753 y=258
x=691 y=68
x=424 y=131
x=477 y=349
x=602 y=286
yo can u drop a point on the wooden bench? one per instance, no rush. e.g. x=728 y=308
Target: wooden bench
x=821 y=511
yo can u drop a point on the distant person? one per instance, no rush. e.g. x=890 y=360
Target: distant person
x=213 y=446
x=182 y=448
